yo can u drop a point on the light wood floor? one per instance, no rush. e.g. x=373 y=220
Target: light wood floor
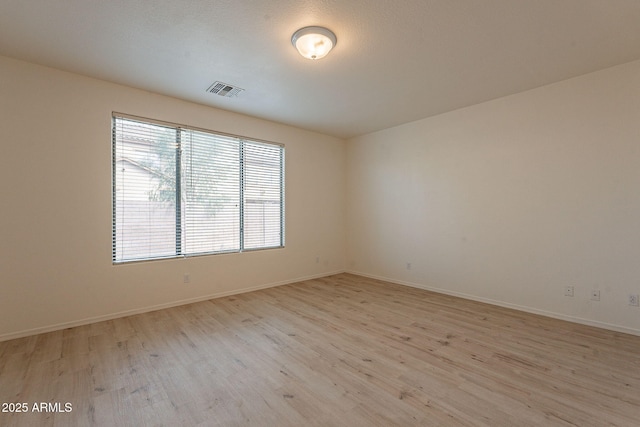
x=338 y=351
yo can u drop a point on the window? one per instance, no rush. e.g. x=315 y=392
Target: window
x=179 y=191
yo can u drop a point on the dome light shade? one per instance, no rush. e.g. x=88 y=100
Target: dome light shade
x=313 y=42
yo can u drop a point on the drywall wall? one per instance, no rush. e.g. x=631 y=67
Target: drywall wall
x=55 y=181
x=510 y=200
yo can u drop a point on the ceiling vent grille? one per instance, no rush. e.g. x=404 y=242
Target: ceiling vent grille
x=224 y=89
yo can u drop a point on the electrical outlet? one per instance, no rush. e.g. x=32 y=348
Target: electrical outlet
x=186 y=278
x=568 y=291
x=633 y=299
x=408 y=266
x=595 y=295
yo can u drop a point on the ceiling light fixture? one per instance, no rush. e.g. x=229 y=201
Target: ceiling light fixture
x=313 y=42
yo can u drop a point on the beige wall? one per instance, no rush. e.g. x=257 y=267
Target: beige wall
x=510 y=200
x=55 y=180
x=506 y=201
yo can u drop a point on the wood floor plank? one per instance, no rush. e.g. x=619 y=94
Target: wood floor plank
x=342 y=351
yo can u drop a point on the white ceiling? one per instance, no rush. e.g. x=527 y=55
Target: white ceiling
x=395 y=61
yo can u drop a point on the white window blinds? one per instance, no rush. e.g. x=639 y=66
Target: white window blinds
x=212 y=192
x=180 y=191
x=262 y=195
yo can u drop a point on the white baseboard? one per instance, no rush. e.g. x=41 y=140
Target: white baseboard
x=560 y=316
x=95 y=319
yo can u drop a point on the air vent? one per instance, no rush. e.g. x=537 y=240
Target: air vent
x=224 y=89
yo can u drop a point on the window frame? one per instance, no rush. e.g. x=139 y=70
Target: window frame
x=181 y=222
